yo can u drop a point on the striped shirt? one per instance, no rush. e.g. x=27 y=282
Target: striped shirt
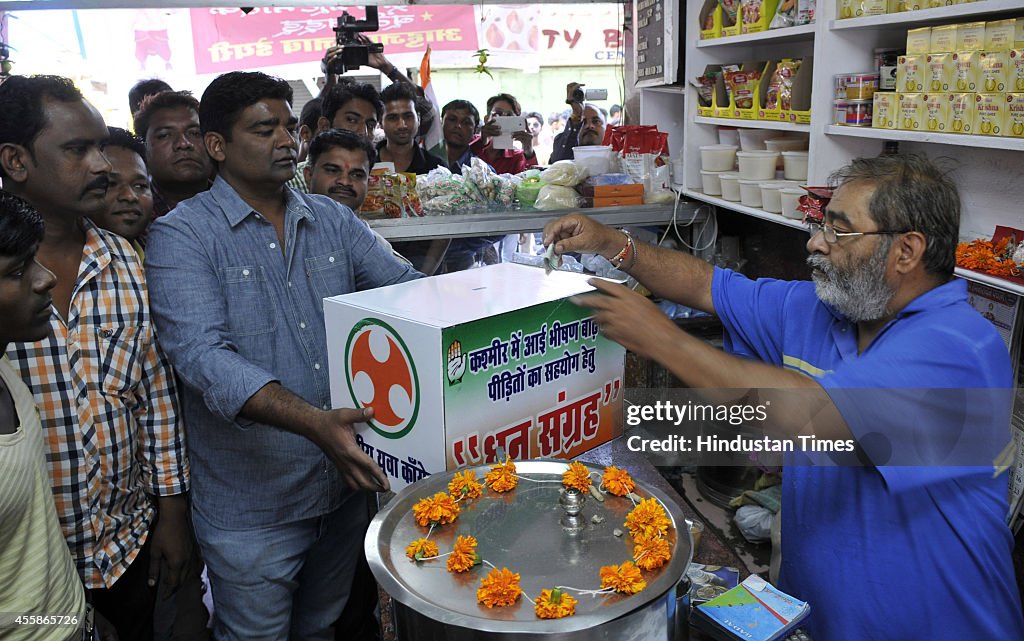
x=110 y=413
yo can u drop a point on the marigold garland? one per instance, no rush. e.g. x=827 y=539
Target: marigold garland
x=617 y=482
x=440 y=509
x=577 y=476
x=499 y=587
x=420 y=549
x=464 y=555
x=502 y=476
x=465 y=484
x=651 y=554
x=647 y=520
x=986 y=256
x=625 y=578
x=554 y=604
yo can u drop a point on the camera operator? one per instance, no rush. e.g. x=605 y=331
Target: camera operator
x=585 y=126
x=504 y=161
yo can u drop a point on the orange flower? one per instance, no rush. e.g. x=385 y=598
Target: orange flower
x=439 y=509
x=647 y=520
x=617 y=482
x=502 y=476
x=420 y=549
x=499 y=587
x=463 y=554
x=650 y=554
x=986 y=256
x=623 y=578
x=577 y=476
x=553 y=604
x=465 y=484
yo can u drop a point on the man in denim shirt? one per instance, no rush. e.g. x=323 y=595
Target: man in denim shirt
x=238 y=275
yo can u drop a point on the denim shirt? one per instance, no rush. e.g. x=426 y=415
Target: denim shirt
x=234 y=313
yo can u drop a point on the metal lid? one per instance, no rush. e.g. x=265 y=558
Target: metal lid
x=521 y=530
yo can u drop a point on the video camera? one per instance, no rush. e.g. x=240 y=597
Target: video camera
x=354 y=54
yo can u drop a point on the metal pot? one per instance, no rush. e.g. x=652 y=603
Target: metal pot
x=531 y=531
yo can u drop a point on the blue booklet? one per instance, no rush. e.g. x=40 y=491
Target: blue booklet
x=754 y=610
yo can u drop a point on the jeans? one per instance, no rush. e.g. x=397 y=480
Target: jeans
x=281 y=582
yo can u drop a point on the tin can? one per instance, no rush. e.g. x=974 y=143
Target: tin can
x=861 y=86
x=858 y=113
x=839 y=111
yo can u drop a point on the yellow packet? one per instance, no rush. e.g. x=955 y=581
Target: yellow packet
x=898 y=6
x=962 y=107
x=884 y=112
x=1015 y=115
x=990 y=112
x=919 y=40
x=943 y=39
x=970 y=36
x=910 y=73
x=911 y=111
x=1018 y=34
x=1015 y=79
x=999 y=35
x=968 y=70
x=936 y=112
x=995 y=71
x=941 y=72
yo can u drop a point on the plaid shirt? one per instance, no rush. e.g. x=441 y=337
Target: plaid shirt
x=110 y=412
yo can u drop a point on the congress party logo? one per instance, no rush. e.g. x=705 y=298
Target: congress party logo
x=380 y=374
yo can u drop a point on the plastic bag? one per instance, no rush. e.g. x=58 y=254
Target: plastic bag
x=780 y=86
x=785 y=15
x=557 y=197
x=754 y=523
x=563 y=173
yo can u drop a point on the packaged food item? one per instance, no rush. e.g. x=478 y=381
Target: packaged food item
x=844 y=9
x=962 y=107
x=858 y=113
x=1015 y=74
x=941 y=72
x=780 y=88
x=911 y=111
x=861 y=86
x=730 y=11
x=1015 y=115
x=990 y=110
x=742 y=85
x=910 y=73
x=939 y=3
x=970 y=36
x=705 y=86
x=753 y=14
x=936 y=113
x=968 y=70
x=839 y=111
x=884 y=112
x=785 y=15
x=1018 y=34
x=839 y=82
x=806 y=9
x=999 y=35
x=943 y=39
x=898 y=6
x=886 y=61
x=383 y=195
x=919 y=40
x=995 y=71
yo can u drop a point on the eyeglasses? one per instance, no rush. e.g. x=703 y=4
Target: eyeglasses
x=832 y=236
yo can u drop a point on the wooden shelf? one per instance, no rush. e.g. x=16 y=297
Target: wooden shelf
x=752 y=124
x=957 y=140
x=779 y=219
x=789 y=34
x=953 y=13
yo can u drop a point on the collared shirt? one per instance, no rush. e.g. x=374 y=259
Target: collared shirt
x=234 y=314
x=504 y=161
x=422 y=160
x=860 y=540
x=565 y=142
x=109 y=406
x=298 y=181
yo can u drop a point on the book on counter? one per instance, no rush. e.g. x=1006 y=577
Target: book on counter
x=754 y=610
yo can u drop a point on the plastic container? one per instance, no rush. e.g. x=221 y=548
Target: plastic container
x=861 y=86
x=750 y=192
x=730 y=182
x=753 y=139
x=717 y=157
x=786 y=144
x=839 y=84
x=839 y=108
x=858 y=113
x=710 y=182
x=729 y=136
x=757 y=165
x=596 y=158
x=771 y=199
x=795 y=165
x=790 y=197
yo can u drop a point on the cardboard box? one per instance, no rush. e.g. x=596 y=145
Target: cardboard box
x=613 y=201
x=941 y=72
x=919 y=40
x=462 y=366
x=999 y=35
x=911 y=111
x=995 y=71
x=936 y=113
x=756 y=15
x=961 y=112
x=884 y=109
x=612 y=191
x=943 y=39
x=1015 y=115
x=968 y=71
x=910 y=73
x=799 y=108
x=989 y=115
x=710 y=12
x=1015 y=79
x=970 y=36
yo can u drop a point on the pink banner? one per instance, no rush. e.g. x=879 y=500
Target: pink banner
x=227 y=39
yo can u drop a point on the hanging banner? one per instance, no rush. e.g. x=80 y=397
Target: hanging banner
x=227 y=39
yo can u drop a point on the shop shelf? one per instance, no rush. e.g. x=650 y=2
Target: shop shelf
x=789 y=34
x=957 y=140
x=991 y=281
x=752 y=124
x=950 y=14
x=779 y=219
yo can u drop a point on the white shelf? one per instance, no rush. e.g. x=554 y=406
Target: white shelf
x=958 y=140
x=752 y=124
x=991 y=281
x=696 y=194
x=789 y=34
x=673 y=89
x=939 y=14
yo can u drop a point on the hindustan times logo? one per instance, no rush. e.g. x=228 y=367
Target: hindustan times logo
x=665 y=411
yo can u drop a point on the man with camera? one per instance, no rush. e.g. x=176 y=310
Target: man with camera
x=504 y=161
x=585 y=126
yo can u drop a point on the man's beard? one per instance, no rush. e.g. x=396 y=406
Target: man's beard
x=861 y=293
